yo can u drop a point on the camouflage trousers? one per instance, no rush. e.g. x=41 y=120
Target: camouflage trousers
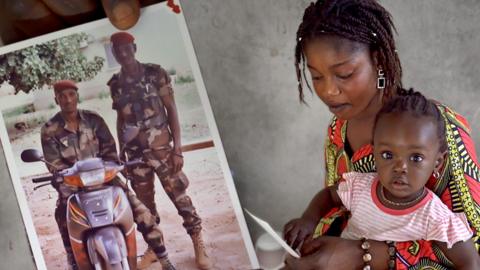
x=146 y=222
x=175 y=185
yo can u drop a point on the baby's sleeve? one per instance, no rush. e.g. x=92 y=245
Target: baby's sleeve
x=349 y=185
x=450 y=229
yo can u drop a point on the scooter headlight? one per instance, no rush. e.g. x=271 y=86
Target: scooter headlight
x=93 y=177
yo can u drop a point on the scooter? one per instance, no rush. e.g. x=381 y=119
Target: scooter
x=99 y=217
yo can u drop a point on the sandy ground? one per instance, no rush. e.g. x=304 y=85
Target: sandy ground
x=209 y=195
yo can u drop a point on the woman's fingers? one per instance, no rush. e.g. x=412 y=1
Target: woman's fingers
x=292 y=236
x=27 y=18
x=299 y=239
x=22 y=19
x=304 y=263
x=290 y=262
x=288 y=227
x=311 y=245
x=295 y=232
x=75 y=12
x=123 y=14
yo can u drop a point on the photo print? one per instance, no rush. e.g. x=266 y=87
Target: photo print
x=163 y=100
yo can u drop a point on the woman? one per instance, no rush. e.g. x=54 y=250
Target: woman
x=349 y=51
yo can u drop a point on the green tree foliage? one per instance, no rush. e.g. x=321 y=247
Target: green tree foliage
x=172 y=71
x=43 y=64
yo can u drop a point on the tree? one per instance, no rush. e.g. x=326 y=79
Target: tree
x=43 y=64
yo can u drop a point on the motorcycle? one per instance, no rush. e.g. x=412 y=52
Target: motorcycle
x=99 y=217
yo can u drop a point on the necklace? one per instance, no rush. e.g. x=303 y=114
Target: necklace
x=412 y=202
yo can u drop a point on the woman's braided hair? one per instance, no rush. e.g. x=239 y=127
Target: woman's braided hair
x=413 y=102
x=362 y=21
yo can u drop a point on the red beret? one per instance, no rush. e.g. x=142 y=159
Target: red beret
x=121 y=38
x=64 y=84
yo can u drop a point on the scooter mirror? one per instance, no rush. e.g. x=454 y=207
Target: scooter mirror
x=129 y=133
x=31 y=155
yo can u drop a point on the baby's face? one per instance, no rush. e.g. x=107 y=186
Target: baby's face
x=406 y=151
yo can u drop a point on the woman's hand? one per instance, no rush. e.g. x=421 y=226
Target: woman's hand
x=328 y=252
x=304 y=263
x=22 y=19
x=298 y=230
x=322 y=253
x=313 y=245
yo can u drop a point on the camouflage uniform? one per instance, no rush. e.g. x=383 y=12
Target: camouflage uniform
x=139 y=103
x=63 y=147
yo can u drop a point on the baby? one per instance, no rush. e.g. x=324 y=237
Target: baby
x=394 y=204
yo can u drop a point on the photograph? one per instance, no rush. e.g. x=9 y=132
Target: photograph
x=114 y=152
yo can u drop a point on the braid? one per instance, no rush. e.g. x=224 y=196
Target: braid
x=362 y=21
x=413 y=102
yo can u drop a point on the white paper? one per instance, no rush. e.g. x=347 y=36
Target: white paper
x=273 y=234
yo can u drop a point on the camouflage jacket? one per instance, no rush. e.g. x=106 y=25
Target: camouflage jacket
x=138 y=100
x=63 y=147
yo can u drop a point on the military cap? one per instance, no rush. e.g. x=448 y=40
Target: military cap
x=121 y=38
x=64 y=84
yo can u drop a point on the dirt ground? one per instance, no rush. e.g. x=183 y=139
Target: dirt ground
x=210 y=196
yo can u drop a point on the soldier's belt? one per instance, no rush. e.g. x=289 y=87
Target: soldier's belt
x=157 y=121
x=166 y=147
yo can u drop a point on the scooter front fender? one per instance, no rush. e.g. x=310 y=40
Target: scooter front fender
x=107 y=249
x=86 y=215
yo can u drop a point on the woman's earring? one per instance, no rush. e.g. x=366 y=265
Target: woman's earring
x=381 y=79
x=436 y=174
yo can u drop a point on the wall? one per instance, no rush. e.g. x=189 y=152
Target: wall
x=274 y=144
x=14 y=246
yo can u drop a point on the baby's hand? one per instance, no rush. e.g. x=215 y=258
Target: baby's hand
x=297 y=230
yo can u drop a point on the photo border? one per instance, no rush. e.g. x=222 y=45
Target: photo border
x=12 y=167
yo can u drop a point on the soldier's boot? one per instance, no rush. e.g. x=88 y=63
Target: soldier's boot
x=166 y=264
x=147 y=259
x=72 y=264
x=201 y=258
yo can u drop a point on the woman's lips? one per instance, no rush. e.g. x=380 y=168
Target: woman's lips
x=335 y=108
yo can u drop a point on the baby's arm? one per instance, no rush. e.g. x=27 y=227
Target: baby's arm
x=463 y=255
x=323 y=202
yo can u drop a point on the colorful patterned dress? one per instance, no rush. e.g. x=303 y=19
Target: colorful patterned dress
x=458 y=187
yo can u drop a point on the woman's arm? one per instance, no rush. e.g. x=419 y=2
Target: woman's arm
x=297 y=230
x=463 y=255
x=338 y=253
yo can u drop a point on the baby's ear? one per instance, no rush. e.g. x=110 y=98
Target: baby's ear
x=440 y=160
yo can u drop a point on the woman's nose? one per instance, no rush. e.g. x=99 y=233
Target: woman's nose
x=331 y=88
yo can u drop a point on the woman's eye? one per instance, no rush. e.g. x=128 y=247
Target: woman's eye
x=316 y=77
x=386 y=155
x=416 y=158
x=345 y=76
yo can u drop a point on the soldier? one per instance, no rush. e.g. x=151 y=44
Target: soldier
x=74 y=134
x=142 y=96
